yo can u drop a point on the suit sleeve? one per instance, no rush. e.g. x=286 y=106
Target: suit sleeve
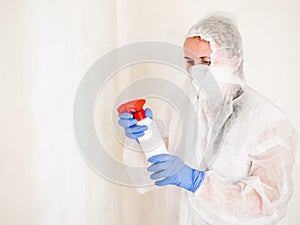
x=262 y=196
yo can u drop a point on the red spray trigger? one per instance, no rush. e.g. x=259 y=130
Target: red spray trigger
x=134 y=107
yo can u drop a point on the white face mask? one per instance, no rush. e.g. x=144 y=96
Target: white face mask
x=223 y=75
x=198 y=73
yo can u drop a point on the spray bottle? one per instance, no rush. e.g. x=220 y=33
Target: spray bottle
x=151 y=142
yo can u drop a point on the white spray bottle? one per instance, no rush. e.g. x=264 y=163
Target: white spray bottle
x=151 y=142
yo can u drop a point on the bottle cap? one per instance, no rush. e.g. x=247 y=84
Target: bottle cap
x=135 y=107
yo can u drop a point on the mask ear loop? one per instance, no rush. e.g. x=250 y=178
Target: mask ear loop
x=232 y=61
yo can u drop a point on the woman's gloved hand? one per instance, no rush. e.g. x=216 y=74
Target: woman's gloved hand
x=170 y=169
x=132 y=130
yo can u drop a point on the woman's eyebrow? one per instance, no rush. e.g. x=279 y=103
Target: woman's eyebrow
x=203 y=57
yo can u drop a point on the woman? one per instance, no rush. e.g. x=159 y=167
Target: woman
x=240 y=169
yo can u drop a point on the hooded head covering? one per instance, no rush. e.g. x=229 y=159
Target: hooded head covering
x=224 y=39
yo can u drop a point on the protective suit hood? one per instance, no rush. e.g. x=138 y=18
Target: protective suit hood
x=225 y=42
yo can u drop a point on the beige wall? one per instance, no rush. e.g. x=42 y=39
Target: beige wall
x=45 y=48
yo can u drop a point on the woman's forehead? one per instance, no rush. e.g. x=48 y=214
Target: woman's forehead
x=197 y=47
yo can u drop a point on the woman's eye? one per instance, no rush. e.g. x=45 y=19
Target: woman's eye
x=207 y=63
x=191 y=62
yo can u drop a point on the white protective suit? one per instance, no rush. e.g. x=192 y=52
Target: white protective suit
x=249 y=180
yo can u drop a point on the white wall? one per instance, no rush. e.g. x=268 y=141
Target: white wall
x=45 y=48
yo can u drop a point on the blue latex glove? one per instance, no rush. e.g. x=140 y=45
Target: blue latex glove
x=132 y=130
x=170 y=169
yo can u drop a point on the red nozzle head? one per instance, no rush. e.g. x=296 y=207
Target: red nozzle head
x=134 y=107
